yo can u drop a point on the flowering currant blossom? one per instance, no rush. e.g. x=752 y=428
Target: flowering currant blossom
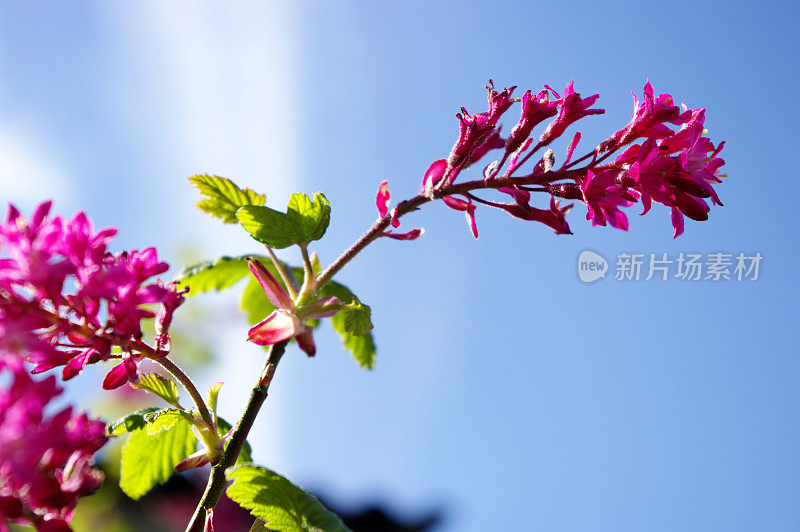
x=382 y=202
x=571 y=108
x=45 y=461
x=287 y=320
x=677 y=168
x=535 y=109
x=65 y=300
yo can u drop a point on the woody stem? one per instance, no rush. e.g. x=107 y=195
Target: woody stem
x=216 y=480
x=178 y=373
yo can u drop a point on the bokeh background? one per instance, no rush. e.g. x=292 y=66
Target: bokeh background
x=507 y=394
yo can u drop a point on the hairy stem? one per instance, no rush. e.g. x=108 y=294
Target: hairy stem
x=216 y=481
x=288 y=280
x=404 y=207
x=187 y=383
x=309 y=287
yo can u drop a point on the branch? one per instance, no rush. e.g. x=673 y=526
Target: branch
x=187 y=383
x=216 y=481
x=404 y=207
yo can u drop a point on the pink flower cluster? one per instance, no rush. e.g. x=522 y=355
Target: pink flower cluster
x=65 y=300
x=45 y=461
x=675 y=167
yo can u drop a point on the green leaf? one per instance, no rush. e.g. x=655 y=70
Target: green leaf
x=148 y=460
x=212 y=395
x=339 y=291
x=356 y=318
x=223 y=197
x=161 y=386
x=131 y=422
x=361 y=347
x=268 y=226
x=254 y=302
x=164 y=420
x=279 y=503
x=312 y=217
x=316 y=267
x=214 y=275
x=246 y=454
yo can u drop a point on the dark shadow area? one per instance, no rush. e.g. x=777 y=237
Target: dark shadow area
x=168 y=507
x=380 y=517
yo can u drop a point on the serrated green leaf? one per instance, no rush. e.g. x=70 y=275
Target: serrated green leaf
x=161 y=386
x=223 y=197
x=254 y=302
x=269 y=226
x=259 y=526
x=312 y=217
x=357 y=318
x=131 y=422
x=282 y=506
x=214 y=275
x=148 y=460
x=164 y=420
x=212 y=395
x=339 y=291
x=246 y=454
x=362 y=346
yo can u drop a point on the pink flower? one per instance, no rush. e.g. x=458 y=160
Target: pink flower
x=382 y=203
x=169 y=305
x=45 y=461
x=473 y=131
x=467 y=207
x=124 y=372
x=493 y=142
x=570 y=109
x=433 y=176
x=535 y=109
x=382 y=199
x=649 y=119
x=33 y=252
x=500 y=102
x=604 y=196
x=65 y=300
x=663 y=179
x=287 y=321
x=676 y=168
x=554 y=217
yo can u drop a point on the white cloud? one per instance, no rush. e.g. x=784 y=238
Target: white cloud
x=29 y=170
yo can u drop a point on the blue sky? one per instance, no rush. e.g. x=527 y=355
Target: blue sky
x=507 y=392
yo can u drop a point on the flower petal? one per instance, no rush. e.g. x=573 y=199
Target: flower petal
x=278 y=326
x=272 y=288
x=116 y=377
x=305 y=342
x=382 y=199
